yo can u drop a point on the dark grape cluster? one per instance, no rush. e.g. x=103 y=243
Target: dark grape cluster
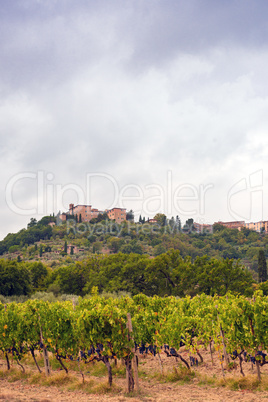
x=146 y=349
x=261 y=356
x=193 y=361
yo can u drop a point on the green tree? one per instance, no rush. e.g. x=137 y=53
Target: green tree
x=189 y=225
x=14 y=278
x=114 y=244
x=126 y=249
x=218 y=227
x=164 y=273
x=46 y=220
x=136 y=247
x=72 y=279
x=130 y=216
x=178 y=223
x=215 y=276
x=171 y=222
x=159 y=249
x=13 y=249
x=38 y=275
x=262 y=267
x=32 y=223
x=161 y=219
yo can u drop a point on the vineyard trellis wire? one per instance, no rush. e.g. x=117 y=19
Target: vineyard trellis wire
x=96 y=329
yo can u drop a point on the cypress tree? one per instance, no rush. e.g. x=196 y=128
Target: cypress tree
x=262 y=267
x=178 y=223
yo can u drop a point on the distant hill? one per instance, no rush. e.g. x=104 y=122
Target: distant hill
x=76 y=258
x=59 y=244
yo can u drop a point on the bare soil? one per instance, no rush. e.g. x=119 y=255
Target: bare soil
x=204 y=385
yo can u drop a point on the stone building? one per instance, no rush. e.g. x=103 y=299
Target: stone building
x=117 y=214
x=233 y=225
x=85 y=213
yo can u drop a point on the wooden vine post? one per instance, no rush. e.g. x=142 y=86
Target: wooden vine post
x=256 y=351
x=160 y=363
x=6 y=355
x=46 y=360
x=79 y=355
x=210 y=349
x=134 y=360
x=226 y=357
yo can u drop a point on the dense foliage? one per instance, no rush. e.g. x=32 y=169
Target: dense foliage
x=166 y=274
x=35 y=232
x=96 y=327
x=162 y=258
x=140 y=238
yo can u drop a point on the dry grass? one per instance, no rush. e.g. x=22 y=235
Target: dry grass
x=85 y=386
x=59 y=379
x=63 y=381
x=249 y=383
x=105 y=388
x=204 y=379
x=149 y=371
x=176 y=374
x=93 y=387
x=180 y=374
x=97 y=369
x=14 y=374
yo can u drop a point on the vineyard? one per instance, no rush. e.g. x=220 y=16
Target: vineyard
x=235 y=328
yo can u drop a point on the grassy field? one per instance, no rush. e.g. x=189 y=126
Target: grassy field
x=168 y=381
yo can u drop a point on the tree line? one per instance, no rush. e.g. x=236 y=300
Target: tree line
x=168 y=274
x=35 y=232
x=143 y=238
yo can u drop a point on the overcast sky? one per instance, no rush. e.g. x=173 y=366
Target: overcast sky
x=161 y=101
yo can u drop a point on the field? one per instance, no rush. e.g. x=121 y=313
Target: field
x=202 y=383
x=202 y=348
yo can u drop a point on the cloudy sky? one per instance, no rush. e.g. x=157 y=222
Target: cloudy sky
x=154 y=105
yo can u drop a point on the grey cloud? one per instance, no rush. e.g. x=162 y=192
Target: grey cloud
x=162 y=30
x=132 y=89
x=45 y=41
x=39 y=46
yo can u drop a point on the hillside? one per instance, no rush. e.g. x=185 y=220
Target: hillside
x=71 y=241
x=131 y=257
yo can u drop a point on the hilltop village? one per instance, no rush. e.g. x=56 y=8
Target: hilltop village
x=85 y=213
